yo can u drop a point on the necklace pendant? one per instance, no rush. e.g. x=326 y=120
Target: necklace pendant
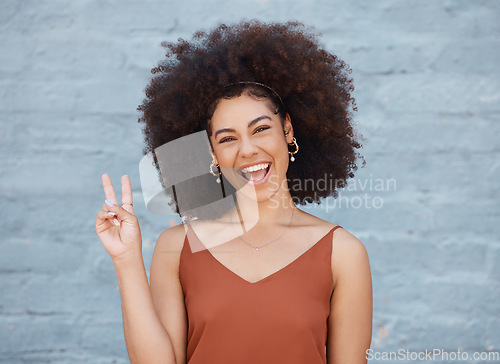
x=256 y=248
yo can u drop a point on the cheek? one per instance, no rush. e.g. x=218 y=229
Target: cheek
x=225 y=154
x=282 y=149
x=280 y=153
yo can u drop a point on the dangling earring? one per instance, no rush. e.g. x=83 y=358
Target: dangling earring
x=294 y=142
x=213 y=173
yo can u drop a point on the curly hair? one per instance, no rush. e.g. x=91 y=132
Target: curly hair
x=314 y=85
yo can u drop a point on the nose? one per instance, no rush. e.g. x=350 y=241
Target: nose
x=248 y=148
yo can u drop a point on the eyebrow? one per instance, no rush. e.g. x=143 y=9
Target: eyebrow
x=254 y=121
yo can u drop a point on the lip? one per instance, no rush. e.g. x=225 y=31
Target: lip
x=259 y=182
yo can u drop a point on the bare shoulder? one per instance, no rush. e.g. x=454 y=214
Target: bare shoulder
x=344 y=241
x=166 y=254
x=167 y=251
x=349 y=255
x=314 y=223
x=171 y=240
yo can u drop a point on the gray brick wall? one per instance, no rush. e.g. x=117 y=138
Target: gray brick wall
x=427 y=86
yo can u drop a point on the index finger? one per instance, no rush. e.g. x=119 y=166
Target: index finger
x=108 y=189
x=126 y=190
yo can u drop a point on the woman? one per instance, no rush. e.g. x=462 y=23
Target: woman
x=261 y=281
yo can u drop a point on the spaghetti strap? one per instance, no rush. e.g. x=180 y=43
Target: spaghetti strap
x=333 y=230
x=336 y=227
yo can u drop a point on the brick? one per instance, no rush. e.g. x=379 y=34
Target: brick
x=427 y=89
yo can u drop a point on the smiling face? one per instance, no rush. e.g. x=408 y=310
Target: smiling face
x=250 y=146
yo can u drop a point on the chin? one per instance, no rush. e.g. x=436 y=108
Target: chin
x=257 y=195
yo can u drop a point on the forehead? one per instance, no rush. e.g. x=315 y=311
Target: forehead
x=241 y=109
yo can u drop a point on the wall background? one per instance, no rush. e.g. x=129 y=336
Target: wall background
x=427 y=89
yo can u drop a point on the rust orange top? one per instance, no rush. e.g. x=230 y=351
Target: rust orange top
x=281 y=318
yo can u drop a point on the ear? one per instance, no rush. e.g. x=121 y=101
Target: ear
x=214 y=158
x=211 y=151
x=288 y=128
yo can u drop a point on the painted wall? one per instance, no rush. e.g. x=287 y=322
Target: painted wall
x=426 y=205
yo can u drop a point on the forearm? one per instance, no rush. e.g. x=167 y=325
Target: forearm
x=146 y=339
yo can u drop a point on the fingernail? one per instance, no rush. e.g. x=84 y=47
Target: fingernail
x=111 y=213
x=109 y=203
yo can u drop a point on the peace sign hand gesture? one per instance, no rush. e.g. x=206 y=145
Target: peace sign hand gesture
x=117 y=227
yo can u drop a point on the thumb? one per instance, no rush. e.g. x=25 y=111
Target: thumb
x=120 y=212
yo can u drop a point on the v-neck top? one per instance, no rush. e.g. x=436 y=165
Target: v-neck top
x=282 y=318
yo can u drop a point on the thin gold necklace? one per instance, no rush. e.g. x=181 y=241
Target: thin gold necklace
x=258 y=247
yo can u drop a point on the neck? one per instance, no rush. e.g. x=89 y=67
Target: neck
x=274 y=211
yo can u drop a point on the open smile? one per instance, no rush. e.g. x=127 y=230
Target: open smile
x=257 y=173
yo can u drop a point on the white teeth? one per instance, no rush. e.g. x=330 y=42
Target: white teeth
x=255 y=168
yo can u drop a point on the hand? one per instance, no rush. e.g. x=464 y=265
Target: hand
x=119 y=233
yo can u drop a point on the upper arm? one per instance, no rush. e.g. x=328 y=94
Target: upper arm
x=350 y=320
x=166 y=289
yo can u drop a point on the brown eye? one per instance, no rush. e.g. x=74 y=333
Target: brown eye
x=226 y=139
x=262 y=128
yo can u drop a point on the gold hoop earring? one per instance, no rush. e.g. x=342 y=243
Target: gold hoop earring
x=294 y=142
x=213 y=173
